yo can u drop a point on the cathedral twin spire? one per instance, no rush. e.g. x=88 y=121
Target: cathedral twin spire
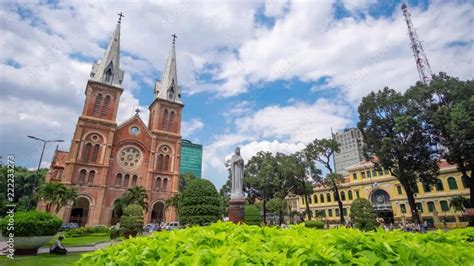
x=108 y=69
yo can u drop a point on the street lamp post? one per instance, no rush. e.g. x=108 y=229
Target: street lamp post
x=41 y=159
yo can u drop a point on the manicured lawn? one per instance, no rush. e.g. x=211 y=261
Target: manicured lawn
x=42 y=259
x=79 y=241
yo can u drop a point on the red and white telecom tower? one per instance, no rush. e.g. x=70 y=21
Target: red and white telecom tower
x=422 y=64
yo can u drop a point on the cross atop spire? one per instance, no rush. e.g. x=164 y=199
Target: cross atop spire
x=137 y=111
x=174 y=37
x=120 y=17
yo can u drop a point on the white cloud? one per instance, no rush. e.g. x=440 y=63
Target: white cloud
x=188 y=128
x=356 y=5
x=276 y=8
x=300 y=122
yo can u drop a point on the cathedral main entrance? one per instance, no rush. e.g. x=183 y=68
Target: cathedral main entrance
x=80 y=211
x=158 y=212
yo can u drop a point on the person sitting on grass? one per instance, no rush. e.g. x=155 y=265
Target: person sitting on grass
x=58 y=248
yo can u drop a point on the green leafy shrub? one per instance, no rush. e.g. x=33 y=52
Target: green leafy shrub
x=229 y=244
x=363 y=215
x=132 y=218
x=252 y=215
x=86 y=231
x=32 y=223
x=199 y=203
x=314 y=224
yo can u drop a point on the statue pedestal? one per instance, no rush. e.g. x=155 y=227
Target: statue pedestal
x=236 y=210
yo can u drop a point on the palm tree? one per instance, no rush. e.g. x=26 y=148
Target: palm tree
x=56 y=194
x=134 y=195
x=67 y=195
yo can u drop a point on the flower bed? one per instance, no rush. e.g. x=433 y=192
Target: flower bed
x=229 y=244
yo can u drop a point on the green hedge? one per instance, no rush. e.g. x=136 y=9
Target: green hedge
x=229 y=244
x=32 y=223
x=199 y=203
x=314 y=224
x=86 y=231
x=252 y=215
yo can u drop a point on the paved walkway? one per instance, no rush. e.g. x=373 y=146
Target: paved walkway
x=87 y=248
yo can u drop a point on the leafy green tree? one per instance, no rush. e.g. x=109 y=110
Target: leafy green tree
x=184 y=180
x=268 y=176
x=363 y=215
x=24 y=182
x=132 y=219
x=280 y=206
x=252 y=215
x=224 y=192
x=260 y=178
x=199 y=203
x=321 y=151
x=306 y=173
x=395 y=133
x=448 y=109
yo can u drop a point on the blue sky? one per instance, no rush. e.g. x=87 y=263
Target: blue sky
x=261 y=75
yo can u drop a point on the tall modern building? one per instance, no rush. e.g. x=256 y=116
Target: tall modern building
x=191 y=158
x=351 y=144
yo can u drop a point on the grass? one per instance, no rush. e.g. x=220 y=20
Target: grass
x=79 y=241
x=42 y=259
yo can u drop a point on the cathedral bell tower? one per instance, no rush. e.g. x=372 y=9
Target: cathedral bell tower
x=165 y=111
x=92 y=141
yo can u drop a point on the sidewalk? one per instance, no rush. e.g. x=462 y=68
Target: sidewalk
x=69 y=249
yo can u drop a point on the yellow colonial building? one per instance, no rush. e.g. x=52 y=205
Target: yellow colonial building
x=388 y=196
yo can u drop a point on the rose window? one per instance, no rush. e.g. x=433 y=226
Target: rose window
x=130 y=157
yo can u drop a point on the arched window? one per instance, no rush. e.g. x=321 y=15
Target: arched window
x=444 y=205
x=105 y=107
x=125 y=180
x=167 y=163
x=328 y=197
x=165 y=184
x=95 y=154
x=87 y=152
x=321 y=198
x=315 y=198
x=439 y=185
x=158 y=184
x=108 y=73
x=55 y=174
x=349 y=194
x=60 y=174
x=82 y=177
x=134 y=180
x=161 y=158
x=452 y=183
x=343 y=195
x=98 y=100
x=118 y=180
x=164 y=119
x=90 y=179
x=171 y=125
x=465 y=182
x=336 y=196
x=310 y=200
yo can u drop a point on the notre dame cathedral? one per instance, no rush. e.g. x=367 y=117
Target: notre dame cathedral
x=106 y=158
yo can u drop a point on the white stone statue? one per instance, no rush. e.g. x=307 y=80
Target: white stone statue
x=237 y=169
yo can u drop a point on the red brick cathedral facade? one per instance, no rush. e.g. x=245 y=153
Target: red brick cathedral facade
x=106 y=158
